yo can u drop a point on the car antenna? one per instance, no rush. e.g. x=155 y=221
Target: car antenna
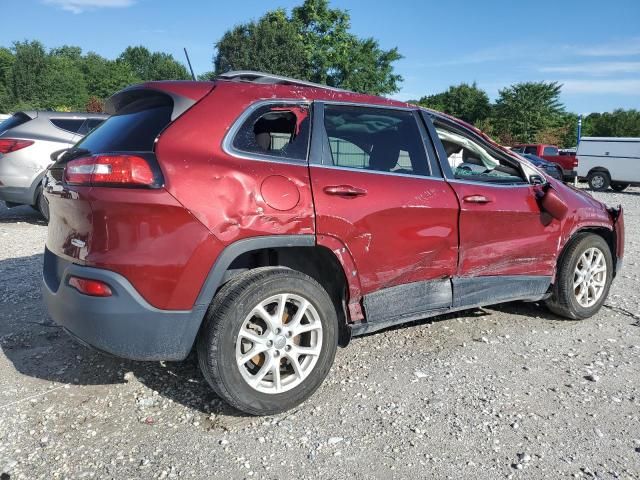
x=193 y=75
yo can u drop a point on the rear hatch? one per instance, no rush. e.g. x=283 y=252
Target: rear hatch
x=114 y=164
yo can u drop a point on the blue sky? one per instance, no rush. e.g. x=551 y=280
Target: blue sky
x=592 y=47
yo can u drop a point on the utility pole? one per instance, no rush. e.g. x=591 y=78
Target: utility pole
x=579 y=129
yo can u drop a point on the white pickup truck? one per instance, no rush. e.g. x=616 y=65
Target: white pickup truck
x=609 y=161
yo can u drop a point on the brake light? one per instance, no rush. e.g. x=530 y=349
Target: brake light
x=116 y=170
x=93 y=288
x=575 y=162
x=8 y=145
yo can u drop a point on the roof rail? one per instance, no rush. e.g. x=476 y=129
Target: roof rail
x=268 y=78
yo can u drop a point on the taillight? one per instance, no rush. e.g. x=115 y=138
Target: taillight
x=114 y=170
x=8 y=145
x=575 y=162
x=93 y=288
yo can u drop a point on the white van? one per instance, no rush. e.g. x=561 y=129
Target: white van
x=609 y=161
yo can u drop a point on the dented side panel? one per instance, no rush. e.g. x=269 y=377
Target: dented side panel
x=507 y=235
x=234 y=198
x=403 y=230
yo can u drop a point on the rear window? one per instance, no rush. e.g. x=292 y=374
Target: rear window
x=134 y=130
x=71 y=125
x=14 y=121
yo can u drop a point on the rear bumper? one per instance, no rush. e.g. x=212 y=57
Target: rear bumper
x=124 y=324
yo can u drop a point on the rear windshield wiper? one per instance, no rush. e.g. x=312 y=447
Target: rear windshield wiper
x=66 y=154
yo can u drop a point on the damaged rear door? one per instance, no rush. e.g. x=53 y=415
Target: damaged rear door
x=377 y=193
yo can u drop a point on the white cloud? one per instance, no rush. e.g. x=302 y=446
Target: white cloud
x=79 y=6
x=595 y=68
x=611 y=87
x=620 y=48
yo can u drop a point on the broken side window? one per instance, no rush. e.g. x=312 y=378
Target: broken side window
x=276 y=130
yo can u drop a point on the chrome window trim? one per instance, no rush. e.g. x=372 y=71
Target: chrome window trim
x=490 y=184
x=368 y=105
x=227 y=141
x=376 y=172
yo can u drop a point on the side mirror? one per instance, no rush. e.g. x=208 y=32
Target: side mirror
x=536 y=180
x=551 y=203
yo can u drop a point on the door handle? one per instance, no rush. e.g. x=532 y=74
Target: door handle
x=476 y=199
x=344 y=191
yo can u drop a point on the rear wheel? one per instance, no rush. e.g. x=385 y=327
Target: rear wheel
x=269 y=340
x=619 y=187
x=599 y=180
x=583 y=278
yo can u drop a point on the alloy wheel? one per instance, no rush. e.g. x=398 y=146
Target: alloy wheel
x=279 y=343
x=590 y=277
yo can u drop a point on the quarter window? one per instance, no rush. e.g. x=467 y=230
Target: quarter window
x=68 y=124
x=378 y=139
x=277 y=131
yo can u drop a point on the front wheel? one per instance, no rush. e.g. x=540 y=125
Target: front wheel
x=619 y=187
x=269 y=340
x=583 y=279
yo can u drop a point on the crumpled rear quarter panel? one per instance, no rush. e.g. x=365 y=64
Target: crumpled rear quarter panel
x=224 y=192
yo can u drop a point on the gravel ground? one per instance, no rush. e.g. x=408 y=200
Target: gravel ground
x=508 y=391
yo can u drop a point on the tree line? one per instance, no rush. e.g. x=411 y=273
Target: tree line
x=315 y=43
x=529 y=112
x=66 y=79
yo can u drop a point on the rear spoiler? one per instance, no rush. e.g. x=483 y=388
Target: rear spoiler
x=180 y=95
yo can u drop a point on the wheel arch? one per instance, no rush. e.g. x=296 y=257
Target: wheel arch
x=607 y=234
x=599 y=169
x=298 y=252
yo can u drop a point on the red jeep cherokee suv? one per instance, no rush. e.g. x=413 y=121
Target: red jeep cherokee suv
x=265 y=220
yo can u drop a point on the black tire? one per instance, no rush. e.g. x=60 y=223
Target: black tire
x=41 y=205
x=619 y=187
x=217 y=339
x=563 y=300
x=599 y=180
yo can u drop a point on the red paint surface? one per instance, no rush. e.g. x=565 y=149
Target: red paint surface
x=402 y=229
x=280 y=193
x=506 y=236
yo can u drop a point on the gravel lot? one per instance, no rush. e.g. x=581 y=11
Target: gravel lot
x=509 y=391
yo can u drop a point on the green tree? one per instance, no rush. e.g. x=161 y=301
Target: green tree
x=67 y=51
x=149 y=66
x=271 y=44
x=6 y=66
x=619 y=123
x=464 y=101
x=105 y=77
x=64 y=84
x=524 y=110
x=28 y=75
x=313 y=44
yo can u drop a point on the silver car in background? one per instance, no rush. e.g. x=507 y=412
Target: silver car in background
x=27 y=140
